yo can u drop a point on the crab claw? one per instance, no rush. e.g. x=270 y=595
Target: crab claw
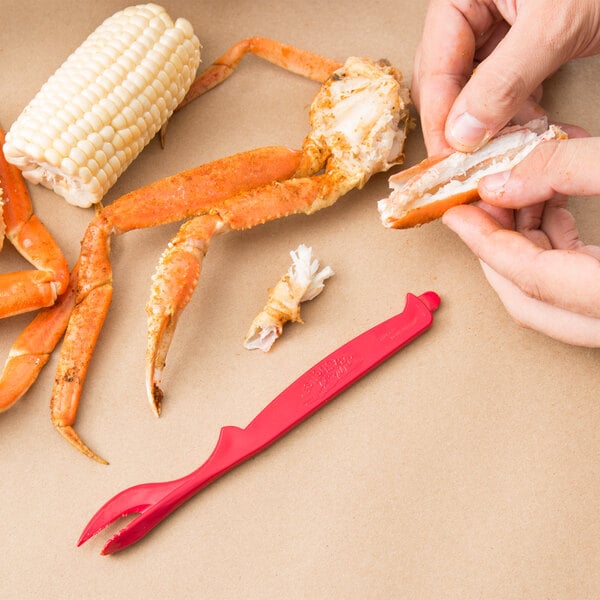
x=71 y=436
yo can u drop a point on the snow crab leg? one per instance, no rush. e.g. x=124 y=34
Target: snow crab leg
x=307 y=64
x=173 y=198
x=358 y=123
x=45 y=287
x=32 y=349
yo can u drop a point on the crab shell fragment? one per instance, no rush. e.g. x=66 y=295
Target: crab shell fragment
x=424 y=192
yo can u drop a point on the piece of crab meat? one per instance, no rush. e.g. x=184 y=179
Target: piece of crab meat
x=359 y=120
x=424 y=192
x=303 y=281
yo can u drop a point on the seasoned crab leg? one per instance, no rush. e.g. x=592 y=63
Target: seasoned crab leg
x=298 y=61
x=173 y=284
x=32 y=289
x=179 y=267
x=173 y=198
x=32 y=349
x=359 y=120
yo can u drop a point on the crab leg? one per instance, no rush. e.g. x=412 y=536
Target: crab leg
x=32 y=349
x=358 y=122
x=302 y=62
x=179 y=268
x=174 y=198
x=173 y=284
x=32 y=289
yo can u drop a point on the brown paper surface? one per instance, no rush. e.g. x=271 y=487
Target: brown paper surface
x=467 y=466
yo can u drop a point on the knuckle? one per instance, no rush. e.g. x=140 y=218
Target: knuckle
x=500 y=92
x=508 y=92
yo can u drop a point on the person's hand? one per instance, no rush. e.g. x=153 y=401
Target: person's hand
x=517 y=45
x=546 y=277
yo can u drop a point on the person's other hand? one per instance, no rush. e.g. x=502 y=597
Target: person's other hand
x=517 y=45
x=528 y=243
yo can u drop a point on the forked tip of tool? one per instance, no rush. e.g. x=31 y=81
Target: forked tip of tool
x=90 y=531
x=117 y=542
x=114 y=544
x=97 y=523
x=107 y=515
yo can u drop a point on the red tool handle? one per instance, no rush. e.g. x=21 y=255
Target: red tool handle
x=310 y=391
x=318 y=385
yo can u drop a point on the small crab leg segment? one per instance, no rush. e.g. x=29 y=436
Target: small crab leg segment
x=171 y=199
x=33 y=347
x=301 y=62
x=28 y=290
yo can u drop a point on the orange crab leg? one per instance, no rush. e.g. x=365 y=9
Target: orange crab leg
x=174 y=198
x=179 y=268
x=32 y=349
x=348 y=159
x=302 y=62
x=28 y=290
x=173 y=284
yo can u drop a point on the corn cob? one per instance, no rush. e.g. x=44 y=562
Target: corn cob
x=92 y=118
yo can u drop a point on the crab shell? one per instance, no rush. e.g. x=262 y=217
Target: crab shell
x=359 y=120
x=424 y=192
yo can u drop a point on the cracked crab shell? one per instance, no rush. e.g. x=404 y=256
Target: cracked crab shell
x=424 y=192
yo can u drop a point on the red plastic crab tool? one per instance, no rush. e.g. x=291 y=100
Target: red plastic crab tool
x=313 y=389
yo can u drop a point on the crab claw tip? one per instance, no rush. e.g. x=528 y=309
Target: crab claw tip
x=71 y=436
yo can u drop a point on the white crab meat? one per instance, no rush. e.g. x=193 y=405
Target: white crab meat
x=360 y=117
x=303 y=281
x=459 y=173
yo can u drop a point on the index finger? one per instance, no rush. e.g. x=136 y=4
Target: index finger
x=444 y=63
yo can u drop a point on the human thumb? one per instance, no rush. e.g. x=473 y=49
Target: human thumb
x=503 y=82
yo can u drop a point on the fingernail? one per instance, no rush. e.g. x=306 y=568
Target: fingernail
x=450 y=220
x=495 y=183
x=468 y=131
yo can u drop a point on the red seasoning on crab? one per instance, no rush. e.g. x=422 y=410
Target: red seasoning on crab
x=424 y=192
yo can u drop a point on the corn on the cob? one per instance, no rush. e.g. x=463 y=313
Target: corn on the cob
x=92 y=118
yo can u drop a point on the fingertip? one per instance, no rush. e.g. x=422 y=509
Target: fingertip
x=449 y=217
x=469 y=221
x=457 y=218
x=466 y=132
x=492 y=188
